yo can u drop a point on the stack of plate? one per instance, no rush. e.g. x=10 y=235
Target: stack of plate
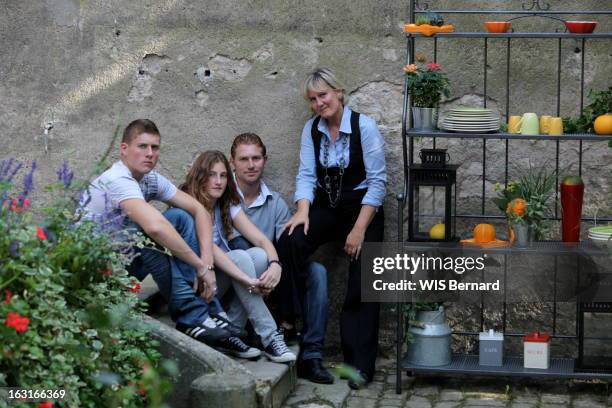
x=602 y=236
x=471 y=120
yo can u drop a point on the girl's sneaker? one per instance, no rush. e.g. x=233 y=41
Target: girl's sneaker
x=278 y=351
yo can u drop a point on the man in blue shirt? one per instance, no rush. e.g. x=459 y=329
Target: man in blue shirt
x=269 y=212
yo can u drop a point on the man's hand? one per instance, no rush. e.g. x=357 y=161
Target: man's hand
x=353 y=243
x=207 y=283
x=271 y=276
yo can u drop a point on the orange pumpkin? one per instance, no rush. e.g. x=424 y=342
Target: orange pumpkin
x=603 y=124
x=517 y=207
x=484 y=233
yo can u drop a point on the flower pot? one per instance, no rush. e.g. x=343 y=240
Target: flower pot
x=424 y=119
x=521 y=235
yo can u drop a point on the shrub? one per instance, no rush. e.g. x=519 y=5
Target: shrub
x=69 y=314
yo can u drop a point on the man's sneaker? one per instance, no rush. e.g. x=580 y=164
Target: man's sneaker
x=236 y=347
x=278 y=351
x=224 y=323
x=204 y=333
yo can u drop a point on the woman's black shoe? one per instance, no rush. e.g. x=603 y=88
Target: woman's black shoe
x=358 y=383
x=313 y=370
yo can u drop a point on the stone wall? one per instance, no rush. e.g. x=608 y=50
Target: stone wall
x=205 y=71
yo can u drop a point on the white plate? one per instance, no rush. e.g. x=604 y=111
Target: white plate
x=471 y=130
x=450 y=126
x=461 y=122
x=604 y=237
x=471 y=110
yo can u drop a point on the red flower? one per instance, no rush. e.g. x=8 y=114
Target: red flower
x=142 y=391
x=16 y=321
x=135 y=286
x=19 y=206
x=9 y=295
x=40 y=233
x=46 y=404
x=432 y=66
x=105 y=272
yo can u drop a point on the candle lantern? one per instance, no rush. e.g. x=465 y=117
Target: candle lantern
x=429 y=184
x=594 y=337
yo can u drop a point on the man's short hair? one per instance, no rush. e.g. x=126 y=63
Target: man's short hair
x=138 y=127
x=247 y=138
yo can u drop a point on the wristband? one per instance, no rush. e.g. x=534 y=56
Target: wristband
x=275 y=261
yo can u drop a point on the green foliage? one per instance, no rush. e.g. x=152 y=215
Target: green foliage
x=601 y=103
x=537 y=187
x=429 y=18
x=426 y=86
x=70 y=317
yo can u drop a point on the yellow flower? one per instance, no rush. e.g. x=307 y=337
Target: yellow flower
x=411 y=68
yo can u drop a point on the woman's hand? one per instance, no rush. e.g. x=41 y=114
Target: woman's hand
x=271 y=276
x=299 y=218
x=253 y=286
x=354 y=241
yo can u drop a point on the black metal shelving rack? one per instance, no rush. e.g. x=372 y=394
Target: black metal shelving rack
x=560 y=368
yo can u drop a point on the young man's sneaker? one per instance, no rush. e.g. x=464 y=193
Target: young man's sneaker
x=278 y=351
x=236 y=347
x=222 y=321
x=206 y=332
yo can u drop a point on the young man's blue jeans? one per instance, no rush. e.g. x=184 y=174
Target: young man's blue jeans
x=174 y=277
x=314 y=305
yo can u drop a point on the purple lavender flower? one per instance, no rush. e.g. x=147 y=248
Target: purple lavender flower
x=28 y=181
x=14 y=248
x=64 y=174
x=8 y=169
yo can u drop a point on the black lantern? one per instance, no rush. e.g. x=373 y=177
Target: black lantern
x=594 y=337
x=432 y=181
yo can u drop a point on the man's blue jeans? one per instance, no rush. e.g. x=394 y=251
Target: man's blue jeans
x=314 y=305
x=174 y=277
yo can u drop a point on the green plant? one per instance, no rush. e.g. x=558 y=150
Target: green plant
x=536 y=187
x=426 y=85
x=429 y=18
x=70 y=315
x=600 y=103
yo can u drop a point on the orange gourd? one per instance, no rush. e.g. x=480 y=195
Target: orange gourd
x=603 y=124
x=484 y=233
x=517 y=207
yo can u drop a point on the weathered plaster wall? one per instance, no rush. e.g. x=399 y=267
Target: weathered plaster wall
x=205 y=71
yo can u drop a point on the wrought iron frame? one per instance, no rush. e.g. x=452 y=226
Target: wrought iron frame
x=534 y=8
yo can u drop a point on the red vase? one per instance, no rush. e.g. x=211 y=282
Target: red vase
x=571 y=207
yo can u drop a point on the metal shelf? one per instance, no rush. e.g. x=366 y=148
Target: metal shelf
x=512 y=35
x=537 y=247
x=513 y=367
x=500 y=135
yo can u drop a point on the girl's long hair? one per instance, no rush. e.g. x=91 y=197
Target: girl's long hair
x=197 y=178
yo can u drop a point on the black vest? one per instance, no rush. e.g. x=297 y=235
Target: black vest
x=355 y=173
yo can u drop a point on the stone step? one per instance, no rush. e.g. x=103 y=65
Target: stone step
x=274 y=381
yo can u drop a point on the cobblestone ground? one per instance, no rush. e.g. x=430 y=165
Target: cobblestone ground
x=452 y=392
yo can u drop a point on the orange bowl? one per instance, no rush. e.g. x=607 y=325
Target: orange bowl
x=497 y=26
x=580 y=27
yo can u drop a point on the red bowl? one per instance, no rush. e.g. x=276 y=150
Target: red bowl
x=580 y=27
x=497 y=26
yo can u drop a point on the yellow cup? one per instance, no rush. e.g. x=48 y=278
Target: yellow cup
x=556 y=126
x=514 y=124
x=545 y=124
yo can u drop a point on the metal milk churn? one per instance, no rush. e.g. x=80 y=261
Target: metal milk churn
x=431 y=342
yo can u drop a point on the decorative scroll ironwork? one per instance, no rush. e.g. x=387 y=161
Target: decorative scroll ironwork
x=420 y=7
x=535 y=4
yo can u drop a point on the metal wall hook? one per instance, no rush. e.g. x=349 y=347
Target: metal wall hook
x=46 y=135
x=535 y=4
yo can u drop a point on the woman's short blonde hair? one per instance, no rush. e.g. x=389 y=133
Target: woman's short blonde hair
x=321 y=78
